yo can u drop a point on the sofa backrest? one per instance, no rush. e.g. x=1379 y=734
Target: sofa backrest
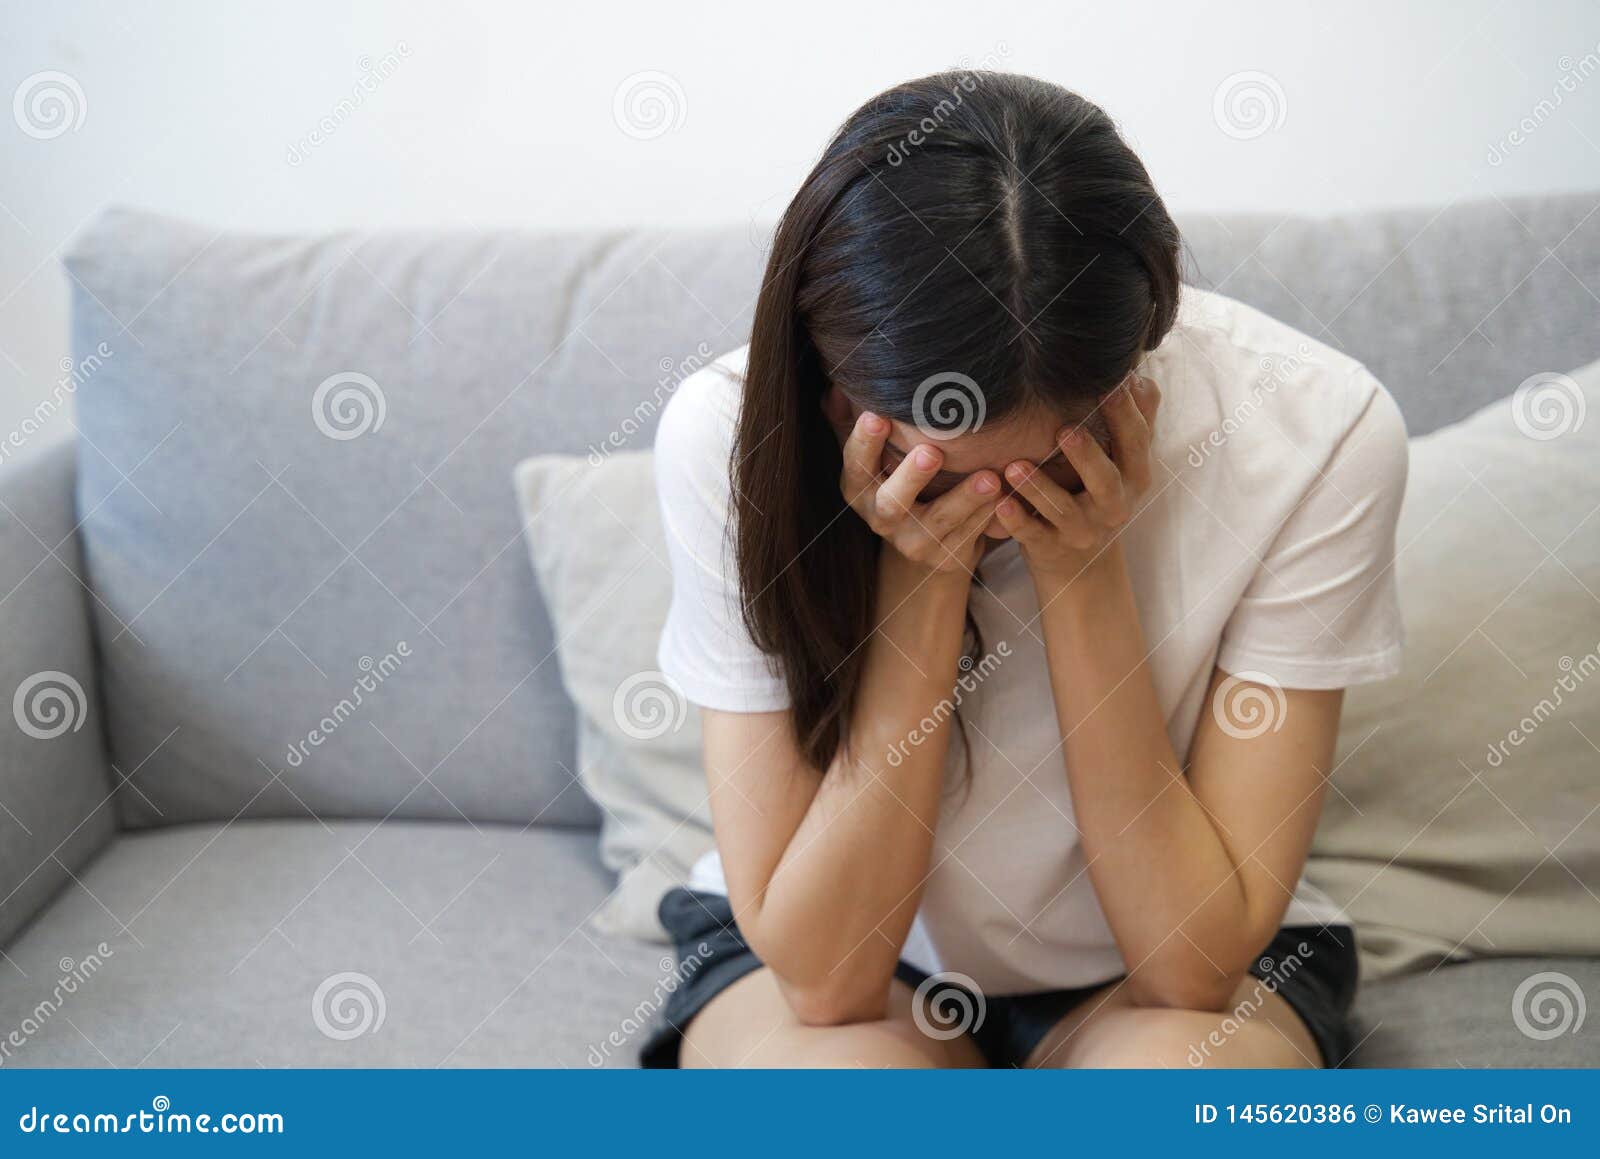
x=296 y=454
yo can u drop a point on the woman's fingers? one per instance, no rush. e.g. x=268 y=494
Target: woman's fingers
x=947 y=527
x=1102 y=481
x=863 y=457
x=1147 y=393
x=1053 y=504
x=1021 y=526
x=897 y=495
x=952 y=510
x=1130 y=437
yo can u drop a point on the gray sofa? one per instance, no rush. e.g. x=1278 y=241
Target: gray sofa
x=290 y=773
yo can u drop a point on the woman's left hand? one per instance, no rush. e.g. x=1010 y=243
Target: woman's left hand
x=1067 y=533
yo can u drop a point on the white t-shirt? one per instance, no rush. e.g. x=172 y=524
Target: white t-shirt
x=1264 y=546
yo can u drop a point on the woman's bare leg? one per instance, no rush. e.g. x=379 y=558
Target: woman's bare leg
x=1258 y=1029
x=750 y=1025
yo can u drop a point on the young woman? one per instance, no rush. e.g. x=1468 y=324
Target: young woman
x=1018 y=584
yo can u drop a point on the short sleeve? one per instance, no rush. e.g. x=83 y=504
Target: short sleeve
x=705 y=648
x=1323 y=610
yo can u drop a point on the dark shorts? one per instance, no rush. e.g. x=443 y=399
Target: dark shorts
x=1312 y=967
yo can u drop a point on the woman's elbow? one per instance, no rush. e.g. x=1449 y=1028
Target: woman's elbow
x=836 y=1001
x=1204 y=991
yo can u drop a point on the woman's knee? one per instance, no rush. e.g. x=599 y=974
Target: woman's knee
x=1186 y=1039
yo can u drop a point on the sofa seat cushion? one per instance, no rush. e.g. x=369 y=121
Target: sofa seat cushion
x=213 y=945
x=1495 y=1012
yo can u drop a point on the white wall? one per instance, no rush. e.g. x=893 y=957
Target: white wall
x=506 y=115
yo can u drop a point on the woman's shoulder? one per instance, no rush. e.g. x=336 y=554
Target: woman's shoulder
x=1229 y=365
x=695 y=437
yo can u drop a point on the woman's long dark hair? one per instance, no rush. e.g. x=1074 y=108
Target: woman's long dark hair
x=984 y=224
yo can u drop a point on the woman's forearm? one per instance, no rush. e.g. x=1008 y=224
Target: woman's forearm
x=836 y=912
x=1163 y=875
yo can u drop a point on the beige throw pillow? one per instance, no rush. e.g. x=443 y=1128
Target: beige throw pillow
x=1465 y=815
x=594 y=532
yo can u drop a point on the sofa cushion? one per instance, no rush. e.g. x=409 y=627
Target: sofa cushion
x=1465 y=816
x=1507 y=1012
x=277 y=943
x=56 y=806
x=295 y=460
x=295 y=456
x=598 y=547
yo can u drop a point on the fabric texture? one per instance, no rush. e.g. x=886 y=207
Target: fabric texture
x=55 y=789
x=1505 y=1012
x=1465 y=813
x=1313 y=968
x=319 y=432
x=596 y=541
x=1263 y=547
x=491 y=347
x=346 y=944
x=478 y=968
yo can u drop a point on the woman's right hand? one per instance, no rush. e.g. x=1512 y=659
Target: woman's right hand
x=943 y=535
